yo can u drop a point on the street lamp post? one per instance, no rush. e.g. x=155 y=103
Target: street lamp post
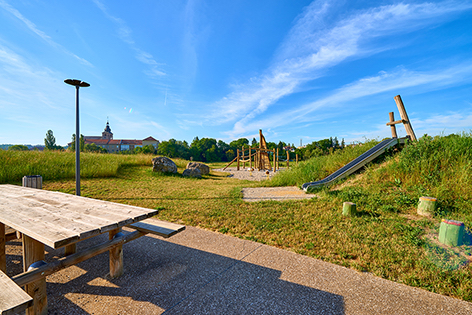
x=77 y=84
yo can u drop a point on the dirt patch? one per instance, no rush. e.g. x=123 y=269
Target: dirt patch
x=246 y=174
x=265 y=193
x=275 y=193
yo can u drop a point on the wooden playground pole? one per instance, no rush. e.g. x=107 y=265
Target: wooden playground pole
x=277 y=158
x=238 y=160
x=392 y=127
x=288 y=159
x=296 y=158
x=244 y=161
x=250 y=157
x=404 y=116
x=274 y=160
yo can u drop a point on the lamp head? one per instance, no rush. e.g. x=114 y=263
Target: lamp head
x=76 y=82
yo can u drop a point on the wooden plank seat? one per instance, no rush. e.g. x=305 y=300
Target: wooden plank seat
x=158 y=227
x=12 y=297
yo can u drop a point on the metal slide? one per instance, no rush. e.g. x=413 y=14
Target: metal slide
x=355 y=164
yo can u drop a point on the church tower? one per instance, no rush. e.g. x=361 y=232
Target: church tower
x=107 y=134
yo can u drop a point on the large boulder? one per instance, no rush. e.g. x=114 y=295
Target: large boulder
x=192 y=172
x=204 y=169
x=164 y=165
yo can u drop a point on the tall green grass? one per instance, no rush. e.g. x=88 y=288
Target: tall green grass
x=54 y=165
x=440 y=167
x=319 y=167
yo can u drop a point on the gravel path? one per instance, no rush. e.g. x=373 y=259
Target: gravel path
x=248 y=175
x=275 y=193
x=266 y=193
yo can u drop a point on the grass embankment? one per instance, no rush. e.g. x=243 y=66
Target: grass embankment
x=320 y=167
x=386 y=238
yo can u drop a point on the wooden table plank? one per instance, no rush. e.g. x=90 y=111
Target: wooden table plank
x=85 y=221
x=58 y=219
x=37 y=229
x=136 y=213
x=103 y=214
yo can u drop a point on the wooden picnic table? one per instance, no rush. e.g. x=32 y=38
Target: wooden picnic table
x=58 y=220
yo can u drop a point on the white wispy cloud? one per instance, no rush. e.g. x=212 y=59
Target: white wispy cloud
x=400 y=79
x=21 y=83
x=125 y=34
x=40 y=33
x=314 y=45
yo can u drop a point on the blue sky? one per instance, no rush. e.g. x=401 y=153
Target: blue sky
x=225 y=69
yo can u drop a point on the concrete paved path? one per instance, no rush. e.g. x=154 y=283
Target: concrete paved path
x=201 y=272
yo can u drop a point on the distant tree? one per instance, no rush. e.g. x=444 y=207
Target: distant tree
x=92 y=147
x=18 y=147
x=167 y=148
x=335 y=143
x=254 y=143
x=237 y=144
x=205 y=150
x=230 y=155
x=148 y=149
x=281 y=146
x=82 y=143
x=271 y=145
x=50 y=142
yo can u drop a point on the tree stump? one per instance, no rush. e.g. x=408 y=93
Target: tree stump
x=427 y=206
x=349 y=209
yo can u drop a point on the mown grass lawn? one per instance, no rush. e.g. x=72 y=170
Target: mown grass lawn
x=389 y=244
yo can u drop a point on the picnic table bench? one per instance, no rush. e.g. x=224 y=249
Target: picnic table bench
x=54 y=219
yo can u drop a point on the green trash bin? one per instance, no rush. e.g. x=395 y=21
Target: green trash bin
x=451 y=232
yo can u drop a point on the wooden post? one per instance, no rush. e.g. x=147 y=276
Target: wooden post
x=349 y=209
x=274 y=160
x=116 y=256
x=244 y=163
x=33 y=251
x=3 y=257
x=392 y=127
x=258 y=155
x=404 y=116
x=237 y=156
x=296 y=158
x=277 y=158
x=288 y=159
x=451 y=232
x=250 y=157
x=70 y=249
x=426 y=206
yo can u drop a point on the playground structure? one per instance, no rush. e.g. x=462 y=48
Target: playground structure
x=258 y=158
x=370 y=155
x=404 y=119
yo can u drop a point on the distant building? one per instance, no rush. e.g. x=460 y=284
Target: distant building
x=107 y=142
